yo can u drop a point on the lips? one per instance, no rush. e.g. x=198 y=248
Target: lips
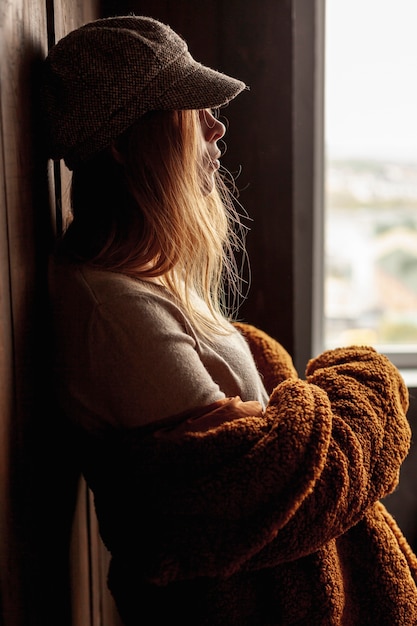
x=215 y=160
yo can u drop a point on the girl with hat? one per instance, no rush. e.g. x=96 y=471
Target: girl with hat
x=228 y=490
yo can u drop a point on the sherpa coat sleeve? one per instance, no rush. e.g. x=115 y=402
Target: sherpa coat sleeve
x=260 y=491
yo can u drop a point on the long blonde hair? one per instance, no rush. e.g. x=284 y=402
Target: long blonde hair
x=140 y=209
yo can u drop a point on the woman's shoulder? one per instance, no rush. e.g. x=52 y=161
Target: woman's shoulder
x=115 y=298
x=101 y=285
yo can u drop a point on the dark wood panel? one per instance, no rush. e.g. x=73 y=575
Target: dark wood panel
x=9 y=576
x=23 y=44
x=257 y=45
x=35 y=503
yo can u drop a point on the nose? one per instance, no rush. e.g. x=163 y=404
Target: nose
x=213 y=129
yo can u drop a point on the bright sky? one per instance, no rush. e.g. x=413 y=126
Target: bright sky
x=371 y=78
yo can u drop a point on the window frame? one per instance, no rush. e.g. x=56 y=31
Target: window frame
x=309 y=246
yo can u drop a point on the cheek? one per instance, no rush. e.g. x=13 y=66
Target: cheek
x=203 y=125
x=203 y=141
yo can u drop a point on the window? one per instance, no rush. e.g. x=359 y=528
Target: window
x=370 y=177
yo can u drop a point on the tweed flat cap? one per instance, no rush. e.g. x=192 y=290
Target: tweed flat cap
x=100 y=78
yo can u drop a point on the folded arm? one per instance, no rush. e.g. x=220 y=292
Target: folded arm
x=224 y=491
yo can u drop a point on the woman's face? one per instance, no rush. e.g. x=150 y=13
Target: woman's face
x=211 y=131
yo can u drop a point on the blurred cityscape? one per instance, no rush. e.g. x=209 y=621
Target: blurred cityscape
x=371 y=254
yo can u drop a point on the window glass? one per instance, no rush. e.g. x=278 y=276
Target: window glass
x=370 y=274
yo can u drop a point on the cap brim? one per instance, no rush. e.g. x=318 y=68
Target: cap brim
x=201 y=88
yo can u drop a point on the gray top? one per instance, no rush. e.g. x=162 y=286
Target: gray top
x=128 y=355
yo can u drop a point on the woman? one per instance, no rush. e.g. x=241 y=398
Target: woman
x=228 y=490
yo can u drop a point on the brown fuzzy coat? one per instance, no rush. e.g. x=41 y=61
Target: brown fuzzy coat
x=264 y=521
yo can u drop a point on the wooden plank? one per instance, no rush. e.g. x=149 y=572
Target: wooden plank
x=35 y=508
x=104 y=612
x=9 y=579
x=70 y=14
x=80 y=561
x=22 y=44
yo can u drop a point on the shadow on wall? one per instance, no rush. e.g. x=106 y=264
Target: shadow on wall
x=42 y=477
x=402 y=504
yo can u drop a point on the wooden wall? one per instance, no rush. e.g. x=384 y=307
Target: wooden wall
x=37 y=479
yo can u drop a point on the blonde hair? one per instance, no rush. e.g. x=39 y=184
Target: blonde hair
x=154 y=217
